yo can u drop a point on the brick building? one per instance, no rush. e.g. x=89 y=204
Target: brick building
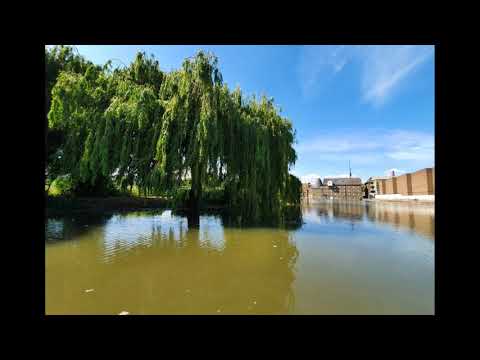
x=338 y=188
x=421 y=182
x=373 y=185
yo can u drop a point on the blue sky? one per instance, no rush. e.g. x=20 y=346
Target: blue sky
x=372 y=105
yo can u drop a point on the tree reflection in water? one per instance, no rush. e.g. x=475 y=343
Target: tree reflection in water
x=250 y=270
x=168 y=264
x=160 y=262
x=62 y=228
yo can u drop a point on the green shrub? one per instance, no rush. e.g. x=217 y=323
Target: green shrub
x=63 y=185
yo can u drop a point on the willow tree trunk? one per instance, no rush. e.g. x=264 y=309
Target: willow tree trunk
x=193 y=220
x=195 y=194
x=47 y=108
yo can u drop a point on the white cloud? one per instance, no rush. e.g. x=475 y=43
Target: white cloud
x=341 y=176
x=356 y=158
x=310 y=178
x=369 y=152
x=338 y=144
x=396 y=171
x=407 y=145
x=397 y=144
x=320 y=63
x=383 y=67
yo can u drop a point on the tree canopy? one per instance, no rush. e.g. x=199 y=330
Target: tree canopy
x=142 y=126
x=57 y=59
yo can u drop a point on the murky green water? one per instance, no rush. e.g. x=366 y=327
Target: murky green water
x=347 y=258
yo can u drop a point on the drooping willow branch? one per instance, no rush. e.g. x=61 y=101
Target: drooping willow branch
x=153 y=129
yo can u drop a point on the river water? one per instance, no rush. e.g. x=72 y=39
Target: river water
x=346 y=258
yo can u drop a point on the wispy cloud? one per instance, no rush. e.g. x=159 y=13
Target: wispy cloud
x=340 y=175
x=318 y=63
x=368 y=151
x=338 y=143
x=396 y=144
x=385 y=67
x=310 y=178
x=394 y=170
x=382 y=67
x=408 y=145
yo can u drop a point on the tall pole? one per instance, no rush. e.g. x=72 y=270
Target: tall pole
x=349 y=168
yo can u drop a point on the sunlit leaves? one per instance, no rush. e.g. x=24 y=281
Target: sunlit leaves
x=153 y=129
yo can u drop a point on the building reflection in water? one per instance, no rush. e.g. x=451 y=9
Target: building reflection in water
x=418 y=218
x=158 y=262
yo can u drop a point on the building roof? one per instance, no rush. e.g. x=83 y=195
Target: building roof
x=317 y=183
x=343 y=181
x=373 y=178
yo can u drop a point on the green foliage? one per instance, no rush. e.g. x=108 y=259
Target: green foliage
x=57 y=60
x=294 y=190
x=63 y=185
x=61 y=58
x=155 y=129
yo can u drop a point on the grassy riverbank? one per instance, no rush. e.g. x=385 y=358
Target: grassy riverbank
x=58 y=205
x=61 y=201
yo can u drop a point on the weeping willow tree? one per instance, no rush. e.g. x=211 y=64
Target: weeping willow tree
x=57 y=59
x=153 y=129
